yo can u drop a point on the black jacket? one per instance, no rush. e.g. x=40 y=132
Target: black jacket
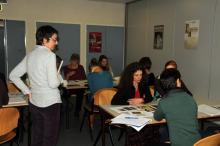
x=3 y=91
x=122 y=96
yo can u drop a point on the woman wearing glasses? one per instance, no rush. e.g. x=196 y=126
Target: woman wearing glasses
x=44 y=96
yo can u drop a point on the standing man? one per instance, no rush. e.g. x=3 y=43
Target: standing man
x=44 y=96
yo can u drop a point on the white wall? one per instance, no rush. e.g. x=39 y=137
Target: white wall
x=81 y=12
x=199 y=67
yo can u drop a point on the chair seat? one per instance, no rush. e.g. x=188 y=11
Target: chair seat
x=7 y=137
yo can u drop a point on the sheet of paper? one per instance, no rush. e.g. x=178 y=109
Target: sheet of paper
x=138 y=128
x=130 y=120
x=61 y=63
x=203 y=108
x=16 y=98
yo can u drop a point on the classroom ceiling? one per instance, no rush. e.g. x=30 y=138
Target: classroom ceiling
x=115 y=1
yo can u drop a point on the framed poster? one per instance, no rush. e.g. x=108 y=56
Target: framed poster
x=95 y=41
x=158 y=36
x=191 y=35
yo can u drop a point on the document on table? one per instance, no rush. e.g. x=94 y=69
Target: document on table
x=134 y=121
x=206 y=109
x=132 y=110
x=16 y=99
x=77 y=82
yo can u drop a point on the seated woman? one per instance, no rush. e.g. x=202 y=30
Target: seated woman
x=131 y=88
x=104 y=64
x=133 y=91
x=179 y=109
x=99 y=79
x=93 y=65
x=148 y=76
x=168 y=65
x=75 y=71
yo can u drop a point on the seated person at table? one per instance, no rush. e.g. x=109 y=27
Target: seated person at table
x=98 y=80
x=179 y=109
x=3 y=91
x=148 y=76
x=104 y=64
x=93 y=65
x=168 y=65
x=131 y=89
x=75 y=71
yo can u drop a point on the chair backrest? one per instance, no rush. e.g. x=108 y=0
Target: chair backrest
x=99 y=80
x=12 y=88
x=213 y=140
x=8 y=120
x=104 y=96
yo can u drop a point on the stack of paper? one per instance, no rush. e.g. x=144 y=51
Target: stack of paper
x=203 y=108
x=16 y=99
x=134 y=121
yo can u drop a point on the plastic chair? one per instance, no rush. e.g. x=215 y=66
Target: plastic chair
x=96 y=81
x=104 y=97
x=213 y=140
x=12 y=88
x=8 y=124
x=101 y=97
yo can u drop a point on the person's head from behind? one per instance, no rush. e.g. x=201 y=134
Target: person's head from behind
x=47 y=36
x=94 y=66
x=103 y=62
x=74 y=59
x=131 y=74
x=170 y=64
x=93 y=62
x=145 y=63
x=170 y=79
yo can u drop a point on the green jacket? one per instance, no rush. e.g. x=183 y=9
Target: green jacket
x=180 y=111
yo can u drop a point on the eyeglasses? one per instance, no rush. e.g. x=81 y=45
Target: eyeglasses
x=55 y=39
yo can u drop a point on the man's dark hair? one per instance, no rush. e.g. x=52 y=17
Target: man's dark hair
x=44 y=32
x=168 y=79
x=171 y=62
x=145 y=63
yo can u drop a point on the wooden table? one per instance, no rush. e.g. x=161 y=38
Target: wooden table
x=108 y=113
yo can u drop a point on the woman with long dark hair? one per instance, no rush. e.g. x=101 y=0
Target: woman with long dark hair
x=131 y=89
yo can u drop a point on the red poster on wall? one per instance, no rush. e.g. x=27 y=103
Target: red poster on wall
x=95 y=42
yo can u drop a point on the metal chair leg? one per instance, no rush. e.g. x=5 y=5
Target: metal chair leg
x=98 y=137
x=90 y=128
x=83 y=120
x=121 y=134
x=110 y=134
